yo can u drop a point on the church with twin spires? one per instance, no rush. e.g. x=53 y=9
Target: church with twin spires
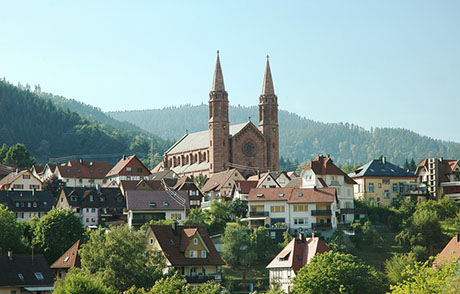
x=246 y=147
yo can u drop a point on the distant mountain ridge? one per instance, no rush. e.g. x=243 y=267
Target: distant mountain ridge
x=301 y=138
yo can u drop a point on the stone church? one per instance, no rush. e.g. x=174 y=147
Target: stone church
x=246 y=147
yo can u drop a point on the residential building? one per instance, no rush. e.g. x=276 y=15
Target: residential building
x=27 y=204
x=94 y=206
x=441 y=177
x=146 y=205
x=244 y=146
x=322 y=173
x=66 y=261
x=220 y=185
x=6 y=170
x=79 y=173
x=380 y=182
x=22 y=180
x=265 y=180
x=163 y=174
x=128 y=169
x=299 y=209
x=25 y=274
x=241 y=189
x=297 y=254
x=188 y=250
x=449 y=253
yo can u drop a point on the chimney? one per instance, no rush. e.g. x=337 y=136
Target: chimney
x=258 y=174
x=384 y=160
x=174 y=227
x=10 y=255
x=81 y=161
x=124 y=157
x=328 y=156
x=313 y=234
x=301 y=236
x=17 y=171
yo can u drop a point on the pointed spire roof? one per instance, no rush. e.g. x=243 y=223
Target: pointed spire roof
x=218 y=82
x=268 y=88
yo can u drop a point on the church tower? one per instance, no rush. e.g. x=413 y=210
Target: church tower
x=219 y=149
x=268 y=119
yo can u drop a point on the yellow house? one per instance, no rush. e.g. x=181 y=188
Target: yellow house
x=189 y=250
x=380 y=182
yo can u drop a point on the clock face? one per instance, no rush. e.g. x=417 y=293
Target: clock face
x=249 y=149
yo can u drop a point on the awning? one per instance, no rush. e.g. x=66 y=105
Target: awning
x=49 y=288
x=254 y=218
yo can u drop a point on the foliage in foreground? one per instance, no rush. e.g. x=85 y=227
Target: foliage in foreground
x=78 y=281
x=334 y=272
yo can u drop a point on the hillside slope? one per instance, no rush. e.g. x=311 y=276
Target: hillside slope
x=302 y=138
x=49 y=131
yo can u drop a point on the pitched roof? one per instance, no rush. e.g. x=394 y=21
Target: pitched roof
x=450 y=252
x=84 y=169
x=11 y=177
x=102 y=198
x=380 y=168
x=119 y=168
x=294 y=183
x=218 y=81
x=267 y=88
x=140 y=200
x=217 y=180
x=70 y=258
x=245 y=186
x=261 y=178
x=293 y=195
x=298 y=253
x=23 y=264
x=38 y=169
x=164 y=174
x=149 y=184
x=44 y=200
x=323 y=165
x=199 y=140
x=173 y=245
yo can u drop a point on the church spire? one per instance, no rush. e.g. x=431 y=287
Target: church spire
x=268 y=88
x=218 y=82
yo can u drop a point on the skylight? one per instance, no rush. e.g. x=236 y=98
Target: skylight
x=66 y=259
x=21 y=277
x=260 y=195
x=300 y=194
x=153 y=204
x=39 y=276
x=166 y=203
x=281 y=194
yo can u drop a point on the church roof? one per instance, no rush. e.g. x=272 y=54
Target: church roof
x=199 y=140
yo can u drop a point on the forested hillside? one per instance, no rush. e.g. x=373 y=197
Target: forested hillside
x=49 y=131
x=301 y=138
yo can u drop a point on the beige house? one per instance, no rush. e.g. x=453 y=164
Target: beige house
x=188 y=250
x=21 y=181
x=380 y=182
x=220 y=185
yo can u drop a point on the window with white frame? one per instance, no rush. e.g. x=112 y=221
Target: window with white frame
x=193 y=254
x=195 y=241
x=371 y=187
x=394 y=188
x=300 y=221
x=203 y=253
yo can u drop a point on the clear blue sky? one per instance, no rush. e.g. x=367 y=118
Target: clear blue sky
x=371 y=63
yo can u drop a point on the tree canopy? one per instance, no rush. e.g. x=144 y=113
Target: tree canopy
x=11 y=232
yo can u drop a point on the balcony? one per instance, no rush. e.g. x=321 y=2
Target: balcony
x=352 y=211
x=321 y=226
x=321 y=212
x=195 y=279
x=258 y=213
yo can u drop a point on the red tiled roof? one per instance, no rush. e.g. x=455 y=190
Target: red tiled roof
x=119 y=168
x=450 y=252
x=322 y=165
x=84 y=169
x=70 y=258
x=173 y=245
x=291 y=195
x=245 y=186
x=298 y=253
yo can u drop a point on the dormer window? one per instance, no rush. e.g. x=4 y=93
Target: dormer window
x=281 y=194
x=166 y=203
x=91 y=198
x=300 y=194
x=195 y=241
x=73 y=198
x=102 y=198
x=260 y=195
x=35 y=204
x=152 y=204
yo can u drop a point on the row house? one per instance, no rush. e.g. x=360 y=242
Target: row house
x=27 y=204
x=93 y=206
x=297 y=254
x=129 y=168
x=271 y=179
x=79 y=173
x=441 y=177
x=188 y=250
x=44 y=172
x=380 y=182
x=299 y=209
x=21 y=180
x=146 y=205
x=322 y=173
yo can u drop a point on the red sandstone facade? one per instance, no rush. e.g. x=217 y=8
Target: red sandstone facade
x=248 y=148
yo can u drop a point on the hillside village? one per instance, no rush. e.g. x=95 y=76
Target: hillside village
x=217 y=214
